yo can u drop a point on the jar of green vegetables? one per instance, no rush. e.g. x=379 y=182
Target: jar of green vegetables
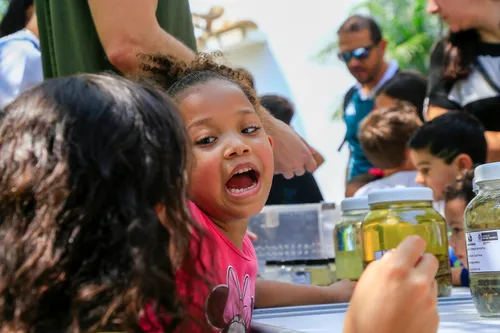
x=482 y=227
x=347 y=238
x=398 y=213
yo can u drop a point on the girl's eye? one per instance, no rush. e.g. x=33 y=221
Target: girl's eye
x=424 y=171
x=206 y=141
x=251 y=129
x=457 y=230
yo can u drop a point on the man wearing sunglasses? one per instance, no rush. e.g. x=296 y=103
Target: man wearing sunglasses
x=362 y=49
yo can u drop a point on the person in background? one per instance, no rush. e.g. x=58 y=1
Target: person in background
x=89 y=36
x=297 y=190
x=384 y=136
x=457 y=196
x=362 y=49
x=359 y=181
x=465 y=65
x=20 y=57
x=406 y=86
x=446 y=148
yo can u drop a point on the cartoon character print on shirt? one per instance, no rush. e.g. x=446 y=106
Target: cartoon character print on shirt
x=229 y=307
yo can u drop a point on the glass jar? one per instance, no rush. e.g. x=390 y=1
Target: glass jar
x=320 y=272
x=347 y=238
x=482 y=227
x=398 y=213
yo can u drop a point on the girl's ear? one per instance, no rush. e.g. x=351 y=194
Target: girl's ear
x=271 y=141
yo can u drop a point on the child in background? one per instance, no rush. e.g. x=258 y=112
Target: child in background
x=446 y=148
x=405 y=86
x=457 y=196
x=299 y=189
x=83 y=206
x=384 y=136
x=230 y=180
x=357 y=182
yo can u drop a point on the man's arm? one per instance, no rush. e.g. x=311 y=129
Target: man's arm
x=127 y=28
x=292 y=155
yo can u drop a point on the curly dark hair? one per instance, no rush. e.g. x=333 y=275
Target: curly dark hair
x=176 y=77
x=85 y=162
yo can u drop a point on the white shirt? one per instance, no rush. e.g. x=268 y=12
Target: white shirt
x=398 y=179
x=20 y=64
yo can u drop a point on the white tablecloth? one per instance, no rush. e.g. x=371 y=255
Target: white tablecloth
x=457 y=314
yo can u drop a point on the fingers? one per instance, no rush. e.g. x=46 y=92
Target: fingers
x=427 y=267
x=434 y=288
x=409 y=252
x=310 y=163
x=288 y=175
x=253 y=237
x=299 y=172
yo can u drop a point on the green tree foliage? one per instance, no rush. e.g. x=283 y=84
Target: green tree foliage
x=3 y=7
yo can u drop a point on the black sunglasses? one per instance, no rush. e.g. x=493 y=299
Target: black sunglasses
x=360 y=53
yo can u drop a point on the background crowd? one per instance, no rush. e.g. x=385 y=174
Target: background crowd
x=67 y=137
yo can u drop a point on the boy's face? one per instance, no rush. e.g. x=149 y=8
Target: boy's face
x=454 y=213
x=233 y=167
x=433 y=172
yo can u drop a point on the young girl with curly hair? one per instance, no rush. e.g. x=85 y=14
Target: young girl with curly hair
x=229 y=182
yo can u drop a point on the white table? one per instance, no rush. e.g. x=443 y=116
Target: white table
x=457 y=314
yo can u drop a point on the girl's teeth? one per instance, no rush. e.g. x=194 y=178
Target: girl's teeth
x=241 y=190
x=243 y=171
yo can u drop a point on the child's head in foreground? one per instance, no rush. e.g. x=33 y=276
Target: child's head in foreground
x=92 y=169
x=233 y=166
x=457 y=196
x=446 y=148
x=384 y=136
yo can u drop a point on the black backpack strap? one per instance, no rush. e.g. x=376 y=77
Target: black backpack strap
x=347 y=99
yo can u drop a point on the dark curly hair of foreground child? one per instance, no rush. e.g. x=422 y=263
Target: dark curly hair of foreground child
x=177 y=77
x=92 y=169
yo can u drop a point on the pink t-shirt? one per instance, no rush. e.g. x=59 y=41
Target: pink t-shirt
x=221 y=294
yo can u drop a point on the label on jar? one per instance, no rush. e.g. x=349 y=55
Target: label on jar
x=301 y=277
x=483 y=248
x=380 y=254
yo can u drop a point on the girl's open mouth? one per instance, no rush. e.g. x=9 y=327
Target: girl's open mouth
x=243 y=181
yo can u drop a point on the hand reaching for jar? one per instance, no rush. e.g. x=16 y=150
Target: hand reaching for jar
x=396 y=294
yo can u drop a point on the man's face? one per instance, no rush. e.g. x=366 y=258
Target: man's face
x=363 y=58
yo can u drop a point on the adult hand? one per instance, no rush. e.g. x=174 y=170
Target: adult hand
x=397 y=294
x=292 y=156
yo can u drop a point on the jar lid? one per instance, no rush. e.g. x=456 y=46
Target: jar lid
x=356 y=203
x=401 y=195
x=486 y=172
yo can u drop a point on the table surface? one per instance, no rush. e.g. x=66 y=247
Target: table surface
x=457 y=314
